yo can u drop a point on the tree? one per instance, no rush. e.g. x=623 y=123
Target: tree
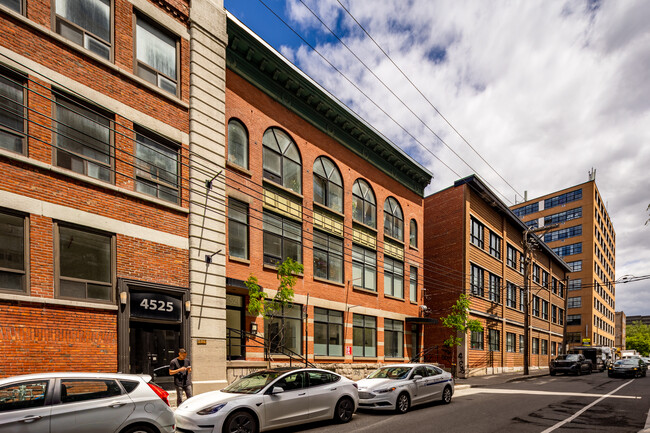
x=638 y=338
x=458 y=320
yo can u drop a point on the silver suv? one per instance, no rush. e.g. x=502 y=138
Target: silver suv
x=83 y=403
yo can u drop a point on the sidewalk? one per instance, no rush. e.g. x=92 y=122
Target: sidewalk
x=497 y=379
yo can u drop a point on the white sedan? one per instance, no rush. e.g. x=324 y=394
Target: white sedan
x=400 y=386
x=270 y=399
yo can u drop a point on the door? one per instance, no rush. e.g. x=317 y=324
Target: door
x=25 y=407
x=435 y=382
x=89 y=405
x=289 y=407
x=421 y=385
x=235 y=340
x=153 y=346
x=323 y=394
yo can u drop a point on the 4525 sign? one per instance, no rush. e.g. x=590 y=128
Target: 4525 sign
x=156 y=306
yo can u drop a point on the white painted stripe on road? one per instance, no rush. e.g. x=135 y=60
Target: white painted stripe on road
x=584 y=409
x=646 y=429
x=471 y=391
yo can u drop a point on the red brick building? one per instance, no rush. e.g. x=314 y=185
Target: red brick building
x=473 y=245
x=94 y=192
x=308 y=179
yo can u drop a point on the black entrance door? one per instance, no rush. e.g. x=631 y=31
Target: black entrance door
x=153 y=346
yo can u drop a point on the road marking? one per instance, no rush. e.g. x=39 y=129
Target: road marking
x=646 y=429
x=471 y=391
x=584 y=409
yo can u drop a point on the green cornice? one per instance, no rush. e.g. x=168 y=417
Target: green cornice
x=251 y=58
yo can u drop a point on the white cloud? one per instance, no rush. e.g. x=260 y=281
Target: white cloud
x=543 y=90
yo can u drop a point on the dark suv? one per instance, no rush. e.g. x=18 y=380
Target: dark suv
x=572 y=363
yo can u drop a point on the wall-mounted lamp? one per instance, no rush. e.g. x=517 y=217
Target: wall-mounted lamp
x=188 y=306
x=123 y=296
x=253 y=328
x=208 y=257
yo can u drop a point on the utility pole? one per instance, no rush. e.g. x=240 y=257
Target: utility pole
x=566 y=297
x=528 y=259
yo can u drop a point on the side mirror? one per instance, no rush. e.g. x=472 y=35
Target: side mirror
x=417 y=377
x=277 y=390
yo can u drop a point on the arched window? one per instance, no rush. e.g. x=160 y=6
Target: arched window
x=328 y=186
x=237 y=143
x=393 y=219
x=364 y=207
x=413 y=234
x=281 y=160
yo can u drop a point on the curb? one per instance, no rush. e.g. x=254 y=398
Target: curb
x=463 y=386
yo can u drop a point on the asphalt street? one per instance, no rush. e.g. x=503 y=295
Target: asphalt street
x=593 y=403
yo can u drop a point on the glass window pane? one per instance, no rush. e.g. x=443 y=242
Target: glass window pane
x=320 y=188
x=237 y=239
x=11 y=281
x=369 y=215
x=336 y=269
x=334 y=340
x=292 y=176
x=72 y=289
x=272 y=245
x=357 y=274
x=237 y=144
x=272 y=162
x=357 y=208
x=320 y=264
x=84 y=255
x=82 y=131
x=156 y=160
x=156 y=48
x=320 y=338
x=91 y=15
x=336 y=197
x=12 y=242
x=293 y=250
x=357 y=342
x=370 y=279
x=11 y=103
x=23 y=395
x=96 y=291
x=12 y=4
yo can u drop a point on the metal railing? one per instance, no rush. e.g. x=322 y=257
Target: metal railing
x=250 y=340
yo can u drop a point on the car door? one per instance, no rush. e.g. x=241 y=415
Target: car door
x=83 y=405
x=419 y=386
x=25 y=406
x=323 y=392
x=436 y=382
x=290 y=406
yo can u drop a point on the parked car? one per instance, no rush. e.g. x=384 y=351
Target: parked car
x=632 y=367
x=270 y=399
x=571 y=363
x=82 y=403
x=400 y=386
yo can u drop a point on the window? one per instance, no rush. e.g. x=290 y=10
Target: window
x=476 y=280
x=237 y=143
x=536 y=270
x=560 y=287
x=83 y=139
x=84 y=264
x=13 y=111
x=526 y=210
x=23 y=395
x=495 y=288
x=566 y=233
x=553 y=348
x=495 y=245
x=393 y=219
x=554 y=314
x=393 y=277
x=511 y=257
x=574 y=302
x=544 y=347
x=413 y=284
x=364 y=336
x=476 y=235
x=535 y=346
x=575 y=284
x=560 y=316
x=75 y=390
x=413 y=234
x=495 y=340
x=533 y=224
x=364 y=207
x=156 y=167
x=545 y=279
x=282 y=239
x=561 y=217
x=563 y=199
x=317 y=378
x=292 y=382
x=521 y=300
x=284 y=329
x=511 y=295
x=573 y=337
x=16 y=5
x=476 y=341
x=13 y=263
x=544 y=310
x=328 y=257
x=535 y=306
x=511 y=341
x=328 y=332
x=521 y=344
x=364 y=268
x=573 y=319
x=568 y=250
x=237 y=228
x=281 y=160
x=393 y=338
x=328 y=185
x=87 y=23
x=156 y=54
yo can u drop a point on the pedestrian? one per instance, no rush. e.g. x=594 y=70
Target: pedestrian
x=180 y=368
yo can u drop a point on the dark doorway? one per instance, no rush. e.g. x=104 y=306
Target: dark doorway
x=235 y=339
x=153 y=346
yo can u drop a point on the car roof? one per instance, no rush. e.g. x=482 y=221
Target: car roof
x=74 y=375
x=409 y=365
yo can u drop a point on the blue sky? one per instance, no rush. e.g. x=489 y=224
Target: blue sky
x=544 y=91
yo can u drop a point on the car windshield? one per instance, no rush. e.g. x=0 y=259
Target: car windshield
x=390 y=373
x=572 y=357
x=627 y=362
x=253 y=383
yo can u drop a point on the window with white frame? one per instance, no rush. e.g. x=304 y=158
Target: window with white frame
x=495 y=245
x=364 y=206
x=511 y=342
x=413 y=234
x=476 y=340
x=511 y=295
x=364 y=268
x=413 y=284
x=495 y=340
x=328 y=184
x=393 y=338
x=476 y=280
x=281 y=160
x=574 y=302
x=495 y=288
x=476 y=233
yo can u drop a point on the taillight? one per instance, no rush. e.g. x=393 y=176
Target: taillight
x=159 y=392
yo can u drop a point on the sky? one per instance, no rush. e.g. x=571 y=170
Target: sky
x=539 y=92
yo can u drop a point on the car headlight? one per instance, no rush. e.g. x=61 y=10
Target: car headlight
x=384 y=391
x=211 y=409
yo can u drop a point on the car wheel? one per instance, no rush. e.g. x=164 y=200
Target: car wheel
x=240 y=422
x=139 y=429
x=343 y=410
x=446 y=395
x=403 y=403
